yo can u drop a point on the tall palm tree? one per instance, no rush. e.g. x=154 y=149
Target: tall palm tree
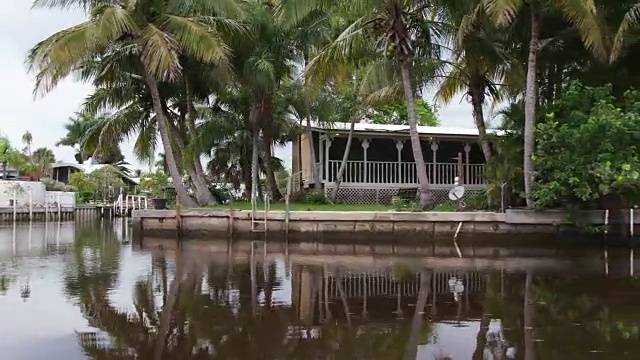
x=27 y=139
x=261 y=62
x=406 y=30
x=582 y=14
x=481 y=64
x=152 y=34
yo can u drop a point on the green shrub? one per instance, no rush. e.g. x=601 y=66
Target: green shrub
x=401 y=204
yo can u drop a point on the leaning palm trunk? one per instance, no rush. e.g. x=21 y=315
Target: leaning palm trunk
x=203 y=194
x=272 y=184
x=163 y=128
x=345 y=157
x=530 y=100
x=477 y=100
x=416 y=323
x=426 y=200
x=169 y=306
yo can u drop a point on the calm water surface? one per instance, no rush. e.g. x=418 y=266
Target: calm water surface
x=81 y=291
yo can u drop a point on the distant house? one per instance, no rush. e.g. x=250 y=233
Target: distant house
x=62 y=172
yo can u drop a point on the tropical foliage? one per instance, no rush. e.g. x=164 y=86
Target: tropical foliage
x=572 y=174
x=220 y=83
x=98 y=185
x=36 y=164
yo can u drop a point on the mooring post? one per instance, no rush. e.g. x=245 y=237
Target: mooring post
x=631 y=222
x=231 y=216
x=178 y=219
x=59 y=209
x=30 y=205
x=15 y=205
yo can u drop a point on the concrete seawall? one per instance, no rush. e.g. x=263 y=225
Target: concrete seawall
x=354 y=225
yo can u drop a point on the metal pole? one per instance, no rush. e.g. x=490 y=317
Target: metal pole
x=59 y=209
x=15 y=205
x=631 y=222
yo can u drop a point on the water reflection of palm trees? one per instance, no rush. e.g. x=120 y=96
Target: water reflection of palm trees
x=189 y=307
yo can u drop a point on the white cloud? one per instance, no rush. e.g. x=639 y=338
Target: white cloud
x=20 y=30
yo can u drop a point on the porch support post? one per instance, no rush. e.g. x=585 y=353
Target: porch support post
x=434 y=149
x=399 y=146
x=321 y=160
x=467 y=149
x=326 y=150
x=365 y=145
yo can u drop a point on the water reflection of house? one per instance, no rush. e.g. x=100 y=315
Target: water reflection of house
x=383 y=295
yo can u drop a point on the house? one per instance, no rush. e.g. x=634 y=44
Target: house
x=62 y=172
x=381 y=163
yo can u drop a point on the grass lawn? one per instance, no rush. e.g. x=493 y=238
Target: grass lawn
x=307 y=207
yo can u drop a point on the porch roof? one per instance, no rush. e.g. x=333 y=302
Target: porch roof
x=341 y=127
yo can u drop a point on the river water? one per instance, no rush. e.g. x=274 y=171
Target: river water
x=84 y=291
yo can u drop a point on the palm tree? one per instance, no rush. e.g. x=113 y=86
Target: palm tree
x=630 y=21
x=581 y=13
x=387 y=26
x=27 y=139
x=150 y=34
x=481 y=64
x=261 y=62
x=42 y=159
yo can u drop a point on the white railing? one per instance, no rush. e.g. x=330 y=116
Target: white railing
x=134 y=202
x=379 y=172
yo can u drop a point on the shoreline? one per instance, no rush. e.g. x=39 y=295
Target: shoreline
x=356 y=226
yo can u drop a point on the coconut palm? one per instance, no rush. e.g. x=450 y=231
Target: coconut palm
x=261 y=63
x=630 y=21
x=27 y=139
x=152 y=34
x=481 y=64
x=42 y=159
x=580 y=13
x=404 y=30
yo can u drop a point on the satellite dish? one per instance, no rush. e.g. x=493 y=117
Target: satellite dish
x=456 y=193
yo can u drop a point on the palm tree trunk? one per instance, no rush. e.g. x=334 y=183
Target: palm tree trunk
x=426 y=199
x=272 y=185
x=254 y=153
x=170 y=304
x=345 y=157
x=530 y=103
x=315 y=174
x=477 y=101
x=416 y=323
x=267 y=122
x=529 y=311
x=247 y=178
x=163 y=128
x=203 y=194
x=481 y=337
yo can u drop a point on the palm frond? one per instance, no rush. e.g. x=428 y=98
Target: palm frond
x=160 y=53
x=630 y=21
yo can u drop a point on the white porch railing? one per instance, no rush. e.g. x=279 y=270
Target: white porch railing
x=379 y=172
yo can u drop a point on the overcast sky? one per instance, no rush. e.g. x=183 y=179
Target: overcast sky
x=20 y=29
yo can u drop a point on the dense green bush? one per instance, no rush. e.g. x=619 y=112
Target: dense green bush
x=587 y=149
